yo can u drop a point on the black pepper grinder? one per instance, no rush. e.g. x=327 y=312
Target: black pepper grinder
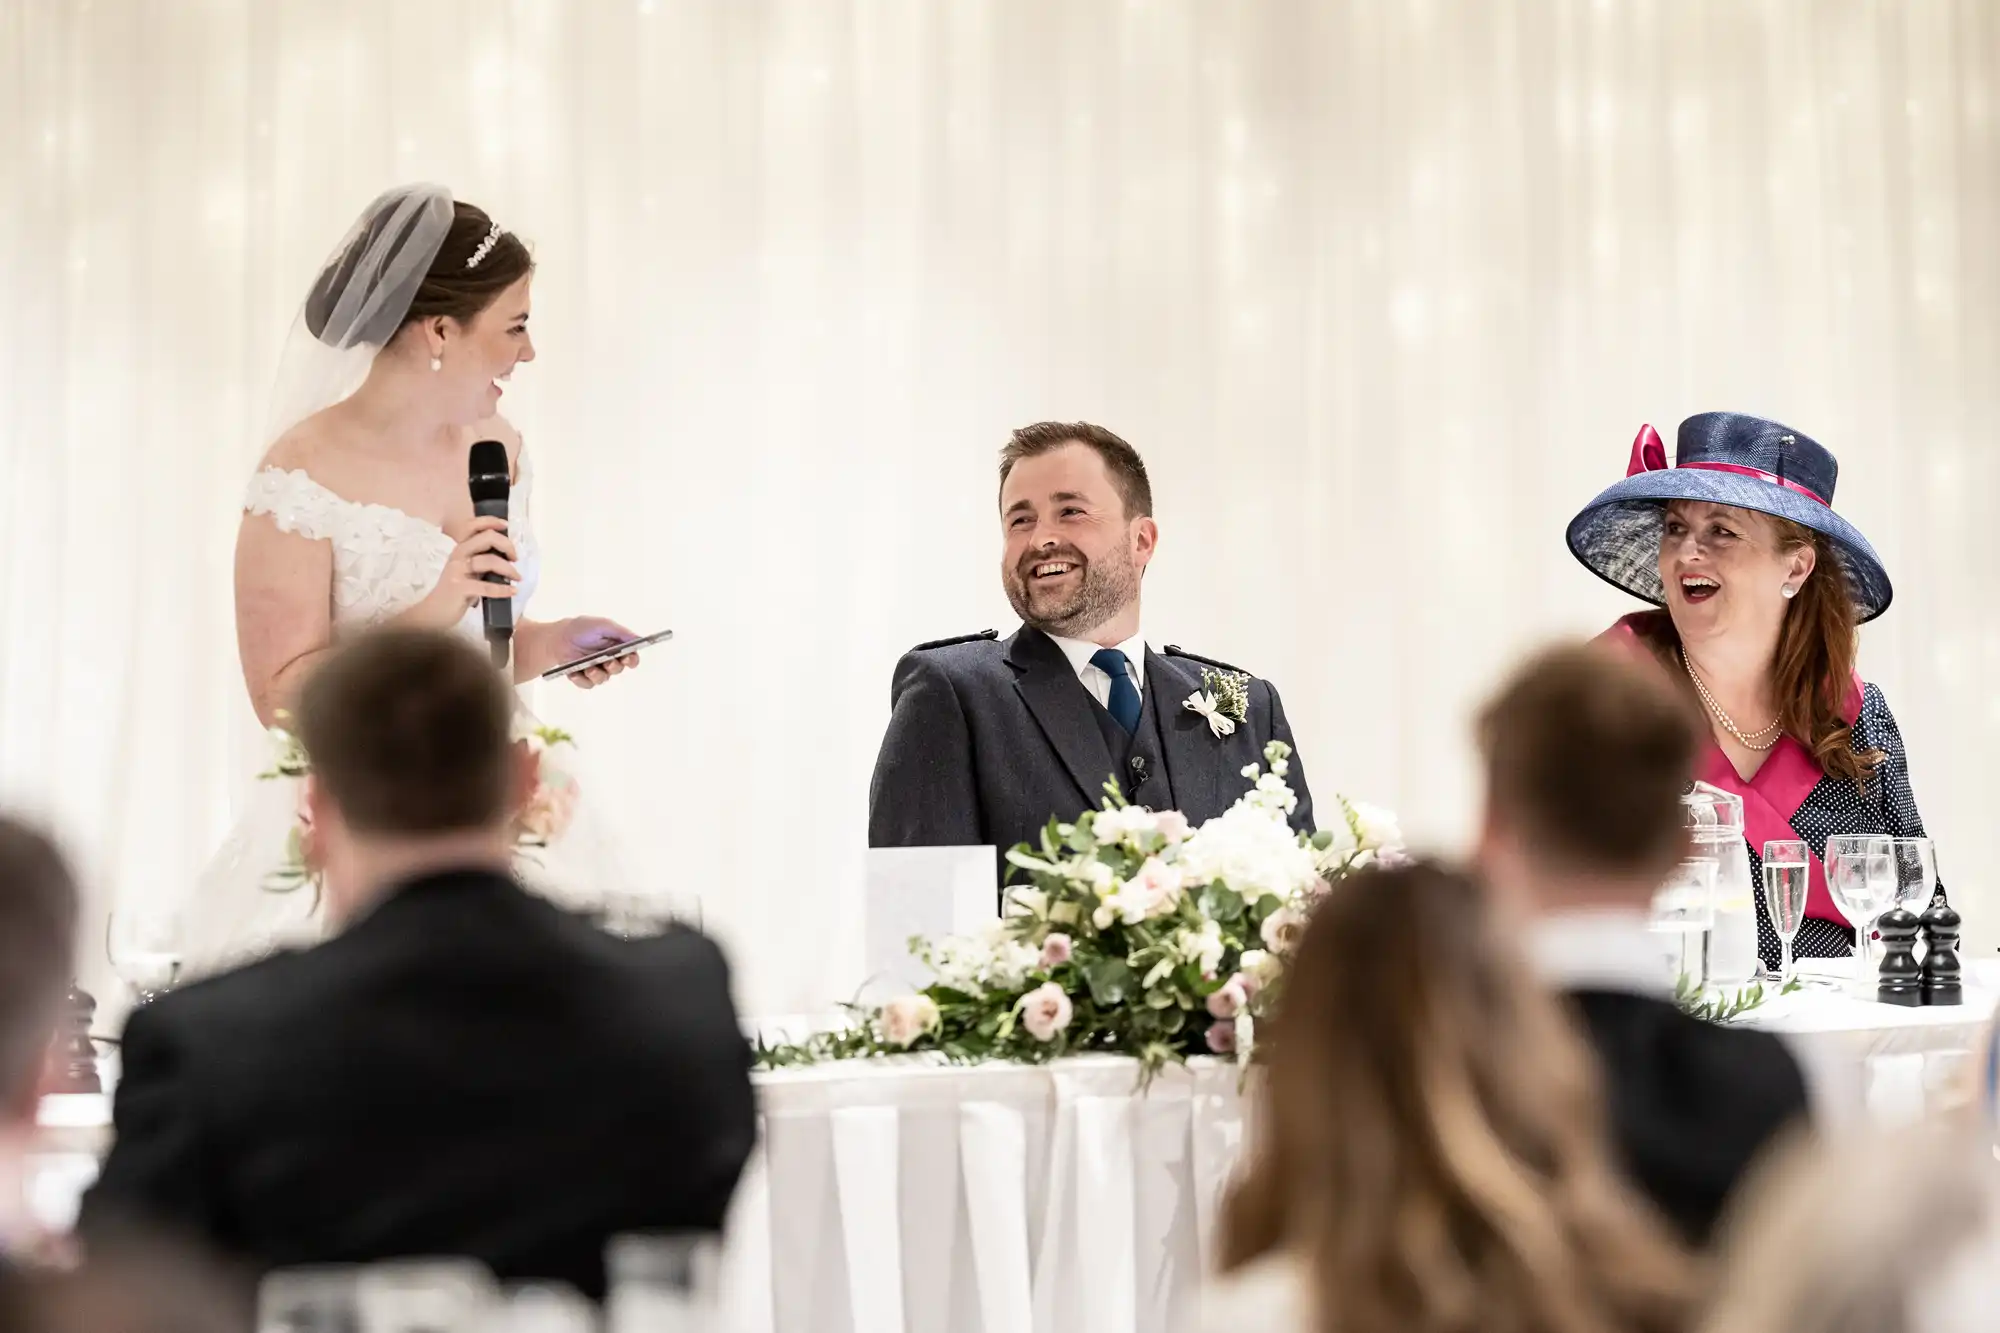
x=1901 y=980
x=77 y=1058
x=1944 y=981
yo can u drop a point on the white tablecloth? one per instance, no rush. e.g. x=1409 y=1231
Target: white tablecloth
x=889 y=1197
x=899 y=1196
x=1865 y=1059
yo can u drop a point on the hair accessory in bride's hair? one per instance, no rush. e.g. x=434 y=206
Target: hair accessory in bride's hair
x=485 y=247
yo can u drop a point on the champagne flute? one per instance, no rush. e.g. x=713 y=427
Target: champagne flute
x=1787 y=878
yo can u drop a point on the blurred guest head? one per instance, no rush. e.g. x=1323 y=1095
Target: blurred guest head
x=1587 y=752
x=414 y=769
x=1076 y=515
x=1897 y=1232
x=38 y=908
x=1430 y=1147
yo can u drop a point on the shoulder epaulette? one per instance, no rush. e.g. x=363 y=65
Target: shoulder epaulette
x=1175 y=650
x=963 y=638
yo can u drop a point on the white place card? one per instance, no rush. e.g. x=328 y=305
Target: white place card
x=928 y=891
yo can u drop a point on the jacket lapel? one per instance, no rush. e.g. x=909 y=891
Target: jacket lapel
x=1194 y=755
x=1061 y=707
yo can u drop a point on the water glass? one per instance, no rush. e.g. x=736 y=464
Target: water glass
x=143 y=943
x=1714 y=821
x=1686 y=904
x=1787 y=879
x=1861 y=874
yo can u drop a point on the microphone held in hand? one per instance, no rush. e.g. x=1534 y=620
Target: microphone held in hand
x=487 y=470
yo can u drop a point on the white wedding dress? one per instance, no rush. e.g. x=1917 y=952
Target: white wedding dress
x=384 y=562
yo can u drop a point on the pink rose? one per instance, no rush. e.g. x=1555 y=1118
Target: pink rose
x=1230 y=999
x=1045 y=1011
x=1055 y=950
x=1282 y=929
x=1158 y=886
x=549 y=811
x=908 y=1017
x=1222 y=1037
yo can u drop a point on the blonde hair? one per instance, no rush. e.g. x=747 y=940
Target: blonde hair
x=1431 y=1136
x=1814 y=1248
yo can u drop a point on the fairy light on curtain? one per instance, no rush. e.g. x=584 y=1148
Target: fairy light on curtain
x=1381 y=291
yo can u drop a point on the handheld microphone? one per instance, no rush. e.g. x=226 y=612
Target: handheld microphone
x=486 y=468
x=1137 y=763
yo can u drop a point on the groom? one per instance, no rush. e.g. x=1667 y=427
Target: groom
x=988 y=739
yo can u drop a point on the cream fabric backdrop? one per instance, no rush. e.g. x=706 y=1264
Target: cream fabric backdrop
x=1381 y=291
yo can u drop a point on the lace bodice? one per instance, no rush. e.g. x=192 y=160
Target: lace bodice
x=384 y=560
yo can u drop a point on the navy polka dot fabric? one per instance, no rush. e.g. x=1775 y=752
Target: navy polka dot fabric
x=1833 y=807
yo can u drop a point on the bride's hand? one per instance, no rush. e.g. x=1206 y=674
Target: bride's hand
x=486 y=549
x=580 y=636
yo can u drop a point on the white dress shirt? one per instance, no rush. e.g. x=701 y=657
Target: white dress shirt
x=1080 y=651
x=1602 y=948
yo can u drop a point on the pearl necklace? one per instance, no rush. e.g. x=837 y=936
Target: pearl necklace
x=1760 y=740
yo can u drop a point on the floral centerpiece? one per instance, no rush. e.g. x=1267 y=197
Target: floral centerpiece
x=1134 y=934
x=540 y=821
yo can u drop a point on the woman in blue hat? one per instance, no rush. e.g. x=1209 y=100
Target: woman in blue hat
x=1762 y=586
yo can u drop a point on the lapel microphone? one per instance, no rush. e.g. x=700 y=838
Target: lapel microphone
x=486 y=468
x=1137 y=763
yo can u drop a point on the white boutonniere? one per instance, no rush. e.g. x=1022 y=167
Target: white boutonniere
x=1224 y=699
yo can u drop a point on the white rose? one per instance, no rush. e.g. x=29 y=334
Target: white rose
x=908 y=1017
x=1172 y=825
x=1013 y=960
x=1045 y=1011
x=1379 y=829
x=1026 y=902
x=1203 y=948
x=1097 y=875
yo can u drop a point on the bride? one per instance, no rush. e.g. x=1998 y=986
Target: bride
x=360 y=514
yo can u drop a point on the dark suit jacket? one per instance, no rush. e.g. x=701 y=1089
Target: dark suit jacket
x=1692 y=1103
x=467 y=1070
x=988 y=739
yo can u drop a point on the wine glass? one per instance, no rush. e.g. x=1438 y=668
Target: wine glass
x=1787 y=879
x=1916 y=872
x=309 y=1300
x=425 y=1296
x=1685 y=903
x=1861 y=873
x=143 y=943
x=663 y=1280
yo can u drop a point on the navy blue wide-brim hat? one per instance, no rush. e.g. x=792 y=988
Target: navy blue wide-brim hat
x=1723 y=458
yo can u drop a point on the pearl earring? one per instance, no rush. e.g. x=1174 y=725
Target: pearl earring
x=438 y=364
x=1790 y=592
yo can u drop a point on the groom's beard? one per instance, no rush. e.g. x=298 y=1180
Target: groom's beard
x=1099 y=590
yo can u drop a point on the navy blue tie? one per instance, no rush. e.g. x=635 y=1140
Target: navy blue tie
x=1124 y=703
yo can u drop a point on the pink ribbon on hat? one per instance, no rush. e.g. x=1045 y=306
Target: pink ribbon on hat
x=1649 y=454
